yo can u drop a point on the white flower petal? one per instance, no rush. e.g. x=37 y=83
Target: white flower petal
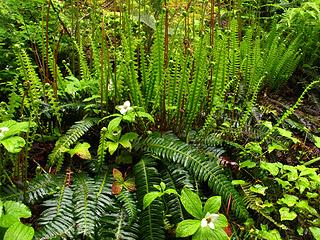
x=122 y=110
x=126 y=104
x=204 y=222
x=211 y=225
x=214 y=216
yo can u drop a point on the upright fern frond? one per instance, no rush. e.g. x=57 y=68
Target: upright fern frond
x=151 y=218
x=73 y=134
x=207 y=170
x=197 y=88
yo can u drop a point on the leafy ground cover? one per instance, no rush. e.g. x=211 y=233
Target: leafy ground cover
x=159 y=119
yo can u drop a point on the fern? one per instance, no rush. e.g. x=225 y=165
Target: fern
x=251 y=202
x=73 y=134
x=290 y=110
x=115 y=226
x=197 y=90
x=102 y=147
x=129 y=203
x=58 y=218
x=151 y=218
x=206 y=170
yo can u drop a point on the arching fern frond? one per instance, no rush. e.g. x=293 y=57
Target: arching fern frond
x=129 y=203
x=204 y=169
x=72 y=135
x=151 y=218
x=58 y=218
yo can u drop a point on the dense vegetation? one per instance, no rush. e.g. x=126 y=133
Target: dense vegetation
x=160 y=119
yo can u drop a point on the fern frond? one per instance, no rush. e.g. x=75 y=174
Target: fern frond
x=115 y=226
x=250 y=200
x=102 y=147
x=290 y=110
x=206 y=170
x=58 y=218
x=129 y=203
x=73 y=134
x=151 y=218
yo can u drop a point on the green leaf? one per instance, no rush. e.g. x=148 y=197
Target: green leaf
x=192 y=203
x=304 y=205
x=13 y=144
x=275 y=146
x=272 y=168
x=285 y=214
x=212 y=205
x=316 y=141
x=12 y=213
x=82 y=150
x=14 y=128
x=238 y=182
x=19 y=231
x=171 y=191
x=289 y=200
x=315 y=232
x=287 y=134
x=130 y=185
x=221 y=221
x=187 y=228
x=292 y=174
x=150 y=197
x=254 y=147
x=114 y=123
x=112 y=146
x=257 y=188
x=284 y=184
x=145 y=115
x=247 y=164
x=302 y=183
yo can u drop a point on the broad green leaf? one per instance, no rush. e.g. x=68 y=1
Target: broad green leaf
x=171 y=191
x=316 y=141
x=150 y=197
x=14 y=128
x=187 y=228
x=287 y=134
x=12 y=213
x=254 y=147
x=112 y=146
x=212 y=205
x=13 y=144
x=221 y=221
x=302 y=183
x=315 y=232
x=82 y=150
x=117 y=175
x=292 y=174
x=203 y=233
x=304 y=205
x=129 y=136
x=114 y=123
x=289 y=200
x=126 y=144
x=257 y=188
x=284 y=184
x=275 y=146
x=145 y=115
x=247 y=164
x=238 y=182
x=163 y=186
x=19 y=231
x=191 y=203
x=285 y=214
x=272 y=168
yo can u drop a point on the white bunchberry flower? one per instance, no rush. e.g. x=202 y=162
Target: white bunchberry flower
x=4 y=129
x=208 y=220
x=125 y=107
